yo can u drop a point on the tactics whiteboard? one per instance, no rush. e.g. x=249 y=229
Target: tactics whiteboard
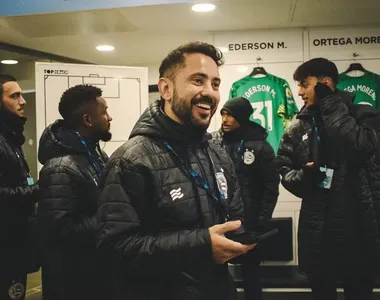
x=124 y=88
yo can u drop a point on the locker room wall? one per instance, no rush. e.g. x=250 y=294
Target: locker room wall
x=302 y=45
x=291 y=48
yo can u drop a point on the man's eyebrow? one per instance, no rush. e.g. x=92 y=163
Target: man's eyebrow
x=203 y=75
x=16 y=94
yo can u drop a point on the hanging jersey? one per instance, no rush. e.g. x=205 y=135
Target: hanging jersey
x=272 y=102
x=365 y=87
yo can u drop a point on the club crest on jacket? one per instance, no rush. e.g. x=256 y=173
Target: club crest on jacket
x=248 y=157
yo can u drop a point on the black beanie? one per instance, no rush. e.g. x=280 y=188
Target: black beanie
x=239 y=108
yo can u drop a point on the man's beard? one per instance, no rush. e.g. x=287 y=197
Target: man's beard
x=105 y=136
x=185 y=112
x=99 y=134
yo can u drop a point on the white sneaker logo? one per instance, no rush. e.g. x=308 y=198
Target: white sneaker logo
x=176 y=194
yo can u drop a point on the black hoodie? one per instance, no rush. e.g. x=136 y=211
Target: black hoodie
x=66 y=212
x=254 y=160
x=154 y=218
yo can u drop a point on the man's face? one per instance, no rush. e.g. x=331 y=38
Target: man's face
x=306 y=89
x=12 y=100
x=101 y=120
x=229 y=123
x=195 y=95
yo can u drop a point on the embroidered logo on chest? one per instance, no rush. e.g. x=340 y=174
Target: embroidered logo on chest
x=176 y=194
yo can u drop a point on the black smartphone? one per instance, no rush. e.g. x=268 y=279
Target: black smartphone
x=250 y=237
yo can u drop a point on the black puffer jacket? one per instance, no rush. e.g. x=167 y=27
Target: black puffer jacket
x=17 y=198
x=338 y=228
x=255 y=166
x=154 y=220
x=66 y=214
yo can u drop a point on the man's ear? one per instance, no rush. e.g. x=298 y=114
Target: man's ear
x=328 y=81
x=87 y=120
x=166 y=88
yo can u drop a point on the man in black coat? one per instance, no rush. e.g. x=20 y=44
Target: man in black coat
x=73 y=162
x=329 y=157
x=254 y=161
x=18 y=192
x=168 y=194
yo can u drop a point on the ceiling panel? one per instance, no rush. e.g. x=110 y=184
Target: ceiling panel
x=229 y=15
x=336 y=13
x=14 y=56
x=69 y=24
x=143 y=35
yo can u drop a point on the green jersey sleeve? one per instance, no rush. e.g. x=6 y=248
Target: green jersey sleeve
x=288 y=108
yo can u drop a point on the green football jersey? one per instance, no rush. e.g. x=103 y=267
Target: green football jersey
x=365 y=87
x=272 y=102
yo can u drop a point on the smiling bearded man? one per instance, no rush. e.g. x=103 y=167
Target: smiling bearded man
x=169 y=194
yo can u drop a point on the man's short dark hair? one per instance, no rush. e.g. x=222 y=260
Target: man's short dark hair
x=4 y=78
x=317 y=67
x=74 y=103
x=176 y=58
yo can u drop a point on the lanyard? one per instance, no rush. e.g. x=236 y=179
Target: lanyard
x=240 y=148
x=90 y=156
x=198 y=179
x=316 y=131
x=318 y=136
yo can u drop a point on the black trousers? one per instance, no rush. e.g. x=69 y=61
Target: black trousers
x=355 y=288
x=12 y=287
x=250 y=266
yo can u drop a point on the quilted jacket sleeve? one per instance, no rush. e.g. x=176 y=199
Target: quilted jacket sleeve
x=57 y=210
x=10 y=195
x=123 y=213
x=270 y=181
x=292 y=177
x=362 y=139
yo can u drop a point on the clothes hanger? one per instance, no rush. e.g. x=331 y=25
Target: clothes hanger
x=258 y=70
x=355 y=66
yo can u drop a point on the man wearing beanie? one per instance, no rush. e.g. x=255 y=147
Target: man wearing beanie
x=18 y=193
x=253 y=157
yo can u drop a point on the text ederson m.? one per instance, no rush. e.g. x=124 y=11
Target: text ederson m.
x=256 y=46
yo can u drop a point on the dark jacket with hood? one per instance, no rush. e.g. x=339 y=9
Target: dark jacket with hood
x=254 y=161
x=66 y=213
x=17 y=198
x=154 y=218
x=338 y=231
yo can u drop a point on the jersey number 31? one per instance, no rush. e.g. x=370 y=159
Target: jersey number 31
x=264 y=116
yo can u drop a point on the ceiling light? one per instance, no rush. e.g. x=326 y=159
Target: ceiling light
x=203 y=7
x=223 y=49
x=105 y=48
x=9 y=62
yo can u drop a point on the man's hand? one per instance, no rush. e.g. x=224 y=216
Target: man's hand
x=313 y=173
x=322 y=91
x=224 y=249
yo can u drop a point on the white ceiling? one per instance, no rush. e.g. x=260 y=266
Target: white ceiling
x=143 y=35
